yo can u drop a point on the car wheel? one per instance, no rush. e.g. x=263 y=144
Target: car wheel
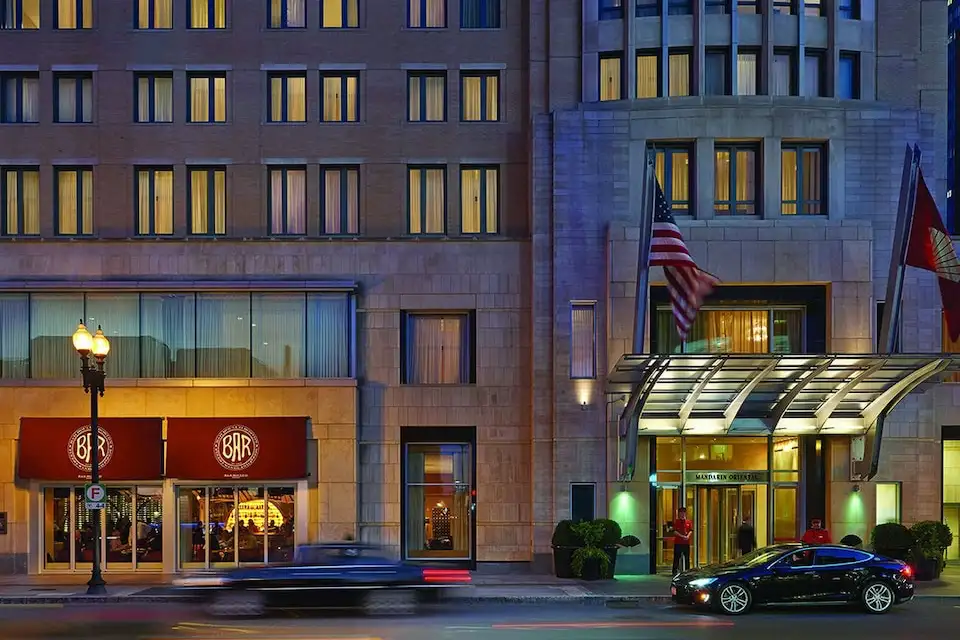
x=735 y=599
x=390 y=602
x=877 y=597
x=236 y=604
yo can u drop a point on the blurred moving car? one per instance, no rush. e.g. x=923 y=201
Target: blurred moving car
x=337 y=575
x=797 y=573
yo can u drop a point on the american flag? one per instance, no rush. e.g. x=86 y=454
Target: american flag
x=687 y=284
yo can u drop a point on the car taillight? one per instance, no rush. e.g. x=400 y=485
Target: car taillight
x=446 y=576
x=907 y=571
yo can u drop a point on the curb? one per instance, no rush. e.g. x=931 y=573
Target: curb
x=591 y=599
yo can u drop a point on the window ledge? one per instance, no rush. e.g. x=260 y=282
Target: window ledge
x=270 y=123
x=439 y=385
x=481 y=28
x=218 y=124
x=342 y=122
x=21 y=124
x=75 y=124
x=188 y=382
x=155 y=123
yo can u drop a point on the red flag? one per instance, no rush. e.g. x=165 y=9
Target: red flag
x=931 y=248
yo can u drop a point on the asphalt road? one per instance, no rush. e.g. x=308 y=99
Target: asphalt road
x=492 y=622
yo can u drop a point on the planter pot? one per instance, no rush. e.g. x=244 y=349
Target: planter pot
x=896 y=554
x=591 y=570
x=612 y=567
x=563 y=561
x=927 y=569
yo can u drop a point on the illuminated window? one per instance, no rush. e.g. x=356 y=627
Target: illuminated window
x=679 y=74
x=747 y=78
x=480 y=96
x=288 y=97
x=339 y=101
x=208 y=14
x=426 y=200
x=648 y=74
x=153 y=14
x=673 y=173
x=74 y=201
x=735 y=330
x=20 y=201
x=20 y=14
x=208 y=200
x=736 y=178
x=208 y=97
x=611 y=75
x=782 y=80
x=888 y=502
x=340 y=14
x=74 y=14
x=479 y=200
x=427 y=97
x=287 y=14
x=583 y=340
x=803 y=179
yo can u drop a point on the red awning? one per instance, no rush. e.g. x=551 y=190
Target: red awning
x=58 y=449
x=237 y=448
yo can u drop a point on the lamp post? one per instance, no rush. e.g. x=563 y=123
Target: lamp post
x=93 y=383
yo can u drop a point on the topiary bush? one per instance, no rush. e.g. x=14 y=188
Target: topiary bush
x=611 y=533
x=564 y=535
x=892 y=540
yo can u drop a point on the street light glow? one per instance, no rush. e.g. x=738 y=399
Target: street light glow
x=101 y=346
x=82 y=340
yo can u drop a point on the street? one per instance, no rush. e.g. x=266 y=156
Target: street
x=487 y=622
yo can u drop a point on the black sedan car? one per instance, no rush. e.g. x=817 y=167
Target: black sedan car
x=797 y=573
x=339 y=575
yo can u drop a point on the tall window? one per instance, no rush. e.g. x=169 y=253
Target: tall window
x=610 y=9
x=849 y=81
x=782 y=80
x=73 y=97
x=479 y=14
x=812 y=8
x=340 y=14
x=426 y=200
x=426 y=14
x=716 y=73
x=648 y=74
x=20 y=14
x=747 y=79
x=208 y=201
x=849 y=9
x=743 y=329
x=427 y=97
x=438 y=348
x=479 y=96
x=813 y=84
x=647 y=8
x=716 y=6
x=736 y=178
x=287 y=200
x=154 y=193
x=21 y=201
x=803 y=170
x=340 y=100
x=286 y=14
x=74 y=201
x=74 y=14
x=679 y=81
x=672 y=167
x=340 y=200
x=583 y=340
x=154 y=97
x=479 y=200
x=208 y=97
x=288 y=97
x=611 y=76
x=888 y=502
x=20 y=98
x=153 y=14
x=208 y=14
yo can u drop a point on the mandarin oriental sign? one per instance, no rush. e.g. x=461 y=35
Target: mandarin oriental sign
x=726 y=477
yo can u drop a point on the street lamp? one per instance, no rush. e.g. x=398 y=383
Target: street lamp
x=93 y=383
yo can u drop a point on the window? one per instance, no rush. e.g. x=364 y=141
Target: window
x=716 y=80
x=73 y=201
x=610 y=9
x=154 y=193
x=737 y=175
x=679 y=7
x=479 y=200
x=679 y=84
x=287 y=200
x=648 y=74
x=849 y=9
x=782 y=80
x=583 y=501
x=426 y=200
x=813 y=84
x=716 y=6
x=208 y=201
x=20 y=98
x=672 y=166
x=21 y=201
x=747 y=79
x=438 y=348
x=340 y=200
x=288 y=97
x=647 y=8
x=437 y=502
x=426 y=14
x=583 y=340
x=802 y=180
x=783 y=6
x=480 y=96
x=427 y=97
x=153 y=14
x=742 y=329
x=479 y=14
x=286 y=14
x=812 y=8
x=74 y=14
x=340 y=14
x=340 y=100
x=73 y=96
x=208 y=97
x=832 y=556
x=849 y=82
x=20 y=14
x=611 y=85
x=154 y=97
x=208 y=14
x=888 y=502
x=748 y=6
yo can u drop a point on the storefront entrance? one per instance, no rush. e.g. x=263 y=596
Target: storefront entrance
x=719 y=511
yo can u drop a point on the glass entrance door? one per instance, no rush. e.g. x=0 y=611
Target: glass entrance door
x=719 y=511
x=951 y=518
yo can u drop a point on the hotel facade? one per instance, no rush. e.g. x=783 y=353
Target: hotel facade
x=370 y=271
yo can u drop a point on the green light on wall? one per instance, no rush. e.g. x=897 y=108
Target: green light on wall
x=854 y=514
x=624 y=508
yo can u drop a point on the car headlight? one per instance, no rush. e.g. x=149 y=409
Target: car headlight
x=702 y=582
x=200 y=581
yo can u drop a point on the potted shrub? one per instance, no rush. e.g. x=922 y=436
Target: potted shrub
x=610 y=542
x=852 y=540
x=931 y=539
x=891 y=540
x=590 y=562
x=564 y=543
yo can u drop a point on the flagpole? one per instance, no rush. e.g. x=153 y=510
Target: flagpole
x=643 y=255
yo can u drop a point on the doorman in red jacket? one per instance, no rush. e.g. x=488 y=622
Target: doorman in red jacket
x=682 y=532
x=816 y=534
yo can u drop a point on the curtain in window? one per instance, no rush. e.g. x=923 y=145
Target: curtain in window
x=492 y=204
x=53 y=319
x=67 y=17
x=329 y=335
x=438 y=350
x=648 y=74
x=199 y=99
x=31 y=203
x=31 y=100
x=668 y=340
x=341 y=192
x=746 y=181
x=812 y=182
x=471 y=100
x=721 y=168
x=610 y=88
x=168 y=330
x=811 y=81
x=788 y=182
x=143 y=99
x=144 y=201
x=680 y=180
x=340 y=13
x=716 y=331
x=332 y=99
x=470 y=200
x=75 y=189
x=780 y=75
x=30 y=10
x=415 y=472
x=583 y=342
x=163 y=201
x=436 y=93
x=480 y=14
x=679 y=74
x=199 y=201
x=220 y=202
x=200 y=14
x=296 y=99
x=296 y=212
x=436 y=201
x=163 y=14
x=119 y=316
x=86 y=201
x=414 y=110
x=163 y=99
x=492 y=104
x=14 y=336
x=296 y=13
x=353 y=108
x=67 y=100
x=278 y=335
x=436 y=14
x=747 y=74
x=415 y=215
x=223 y=336
x=788 y=331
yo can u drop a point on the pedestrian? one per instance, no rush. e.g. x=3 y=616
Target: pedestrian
x=746 y=537
x=682 y=532
x=816 y=534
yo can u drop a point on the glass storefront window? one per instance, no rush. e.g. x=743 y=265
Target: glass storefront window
x=785 y=514
x=888 y=502
x=738 y=453
x=745 y=330
x=786 y=459
x=148 y=526
x=56 y=527
x=438 y=501
x=669 y=455
x=951 y=494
